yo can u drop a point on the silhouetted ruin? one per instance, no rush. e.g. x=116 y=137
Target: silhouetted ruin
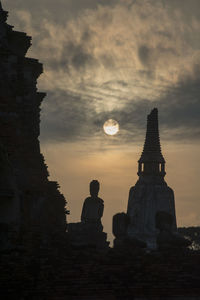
x=150 y=199
x=29 y=203
x=38 y=259
x=89 y=232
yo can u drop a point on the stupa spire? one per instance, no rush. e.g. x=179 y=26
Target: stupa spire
x=152 y=160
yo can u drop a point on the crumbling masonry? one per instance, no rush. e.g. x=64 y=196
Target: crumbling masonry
x=28 y=200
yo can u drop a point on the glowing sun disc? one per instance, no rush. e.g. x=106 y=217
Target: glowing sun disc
x=111 y=127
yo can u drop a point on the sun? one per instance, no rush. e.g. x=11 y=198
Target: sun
x=111 y=127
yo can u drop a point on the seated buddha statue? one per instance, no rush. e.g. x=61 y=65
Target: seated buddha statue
x=93 y=207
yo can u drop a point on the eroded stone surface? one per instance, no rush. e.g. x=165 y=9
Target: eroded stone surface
x=35 y=202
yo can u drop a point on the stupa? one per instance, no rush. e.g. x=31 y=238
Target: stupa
x=150 y=198
x=151 y=194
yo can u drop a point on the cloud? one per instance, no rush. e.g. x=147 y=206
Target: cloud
x=79 y=56
x=144 y=54
x=116 y=59
x=179 y=110
x=135 y=33
x=67 y=117
x=57 y=11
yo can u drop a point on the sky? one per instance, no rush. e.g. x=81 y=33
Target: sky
x=116 y=59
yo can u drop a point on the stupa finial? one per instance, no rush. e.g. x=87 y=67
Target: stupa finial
x=152 y=161
x=152 y=149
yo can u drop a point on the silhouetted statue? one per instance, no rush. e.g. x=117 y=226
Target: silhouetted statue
x=89 y=232
x=167 y=237
x=93 y=207
x=121 y=222
x=120 y=225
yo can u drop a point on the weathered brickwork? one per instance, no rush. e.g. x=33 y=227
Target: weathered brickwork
x=37 y=202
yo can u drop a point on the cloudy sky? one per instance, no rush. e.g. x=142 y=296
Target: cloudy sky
x=116 y=59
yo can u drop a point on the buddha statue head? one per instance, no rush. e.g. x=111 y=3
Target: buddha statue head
x=94 y=188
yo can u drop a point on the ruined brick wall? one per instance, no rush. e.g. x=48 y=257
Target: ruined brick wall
x=41 y=204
